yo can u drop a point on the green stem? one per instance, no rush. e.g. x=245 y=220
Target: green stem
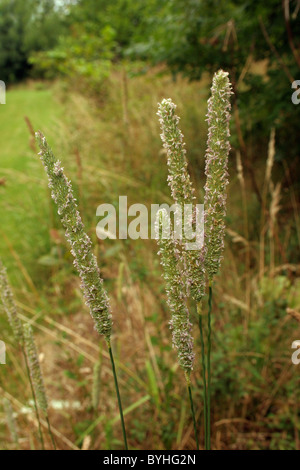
x=203 y=371
x=50 y=432
x=208 y=365
x=34 y=401
x=192 y=410
x=118 y=394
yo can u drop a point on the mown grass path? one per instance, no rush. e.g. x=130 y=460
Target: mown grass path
x=24 y=205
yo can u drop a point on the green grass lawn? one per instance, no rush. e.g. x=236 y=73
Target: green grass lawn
x=24 y=205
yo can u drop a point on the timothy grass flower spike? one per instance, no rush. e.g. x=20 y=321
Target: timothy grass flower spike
x=10 y=306
x=180 y=324
x=216 y=171
x=183 y=194
x=81 y=245
x=34 y=367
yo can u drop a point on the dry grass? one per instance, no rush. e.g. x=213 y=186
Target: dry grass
x=111 y=147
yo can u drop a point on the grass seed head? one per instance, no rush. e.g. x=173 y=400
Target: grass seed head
x=216 y=171
x=183 y=193
x=34 y=368
x=180 y=323
x=10 y=306
x=81 y=245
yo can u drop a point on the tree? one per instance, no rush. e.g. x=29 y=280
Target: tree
x=25 y=27
x=256 y=42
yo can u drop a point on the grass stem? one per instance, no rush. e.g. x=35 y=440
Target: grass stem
x=193 y=411
x=203 y=371
x=50 y=432
x=208 y=365
x=118 y=395
x=34 y=402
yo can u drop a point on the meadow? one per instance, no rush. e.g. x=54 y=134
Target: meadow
x=111 y=146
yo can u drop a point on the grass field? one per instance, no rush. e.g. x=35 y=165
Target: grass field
x=110 y=146
x=22 y=193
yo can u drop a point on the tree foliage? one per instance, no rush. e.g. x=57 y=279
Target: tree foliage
x=256 y=42
x=26 y=26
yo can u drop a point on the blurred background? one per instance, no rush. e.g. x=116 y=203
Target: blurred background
x=89 y=75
